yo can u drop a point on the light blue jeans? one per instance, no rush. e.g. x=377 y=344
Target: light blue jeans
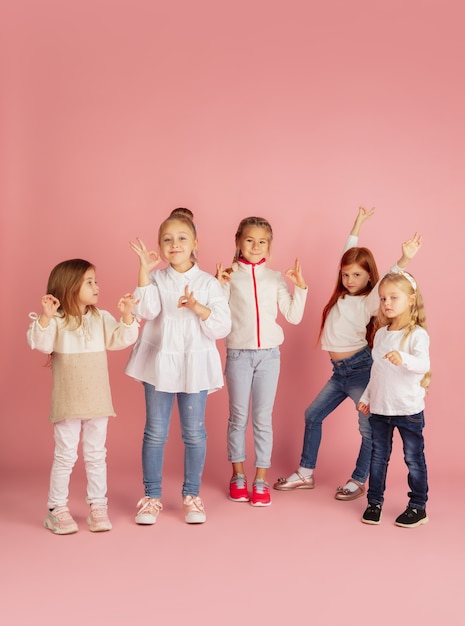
x=252 y=379
x=159 y=405
x=349 y=379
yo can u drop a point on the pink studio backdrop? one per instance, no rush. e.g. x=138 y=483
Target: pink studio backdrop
x=116 y=112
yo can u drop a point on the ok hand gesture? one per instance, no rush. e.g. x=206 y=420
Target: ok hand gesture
x=295 y=275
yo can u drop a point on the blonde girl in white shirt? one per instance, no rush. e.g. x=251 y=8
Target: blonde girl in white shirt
x=395 y=395
x=176 y=357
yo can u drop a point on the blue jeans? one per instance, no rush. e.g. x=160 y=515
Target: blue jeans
x=349 y=380
x=410 y=428
x=251 y=375
x=159 y=405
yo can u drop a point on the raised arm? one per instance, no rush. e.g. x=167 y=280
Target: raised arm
x=148 y=259
x=409 y=250
x=362 y=216
x=50 y=306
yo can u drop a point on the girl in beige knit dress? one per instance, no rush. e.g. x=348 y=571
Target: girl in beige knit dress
x=77 y=335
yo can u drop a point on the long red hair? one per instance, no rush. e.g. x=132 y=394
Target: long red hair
x=365 y=259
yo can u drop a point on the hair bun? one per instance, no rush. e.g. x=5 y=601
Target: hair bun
x=182 y=211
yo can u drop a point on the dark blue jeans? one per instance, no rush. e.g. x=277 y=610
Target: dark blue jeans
x=349 y=379
x=410 y=428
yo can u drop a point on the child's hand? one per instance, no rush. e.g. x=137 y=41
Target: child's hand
x=411 y=246
x=394 y=357
x=187 y=301
x=364 y=408
x=126 y=304
x=364 y=214
x=149 y=259
x=222 y=274
x=295 y=275
x=50 y=306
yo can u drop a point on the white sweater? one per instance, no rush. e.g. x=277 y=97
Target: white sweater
x=255 y=293
x=395 y=389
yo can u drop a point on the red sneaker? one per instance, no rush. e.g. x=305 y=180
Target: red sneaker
x=238 y=491
x=260 y=493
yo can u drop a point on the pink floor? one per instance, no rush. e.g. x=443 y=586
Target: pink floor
x=306 y=559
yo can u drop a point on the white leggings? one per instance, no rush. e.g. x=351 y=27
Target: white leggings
x=67 y=434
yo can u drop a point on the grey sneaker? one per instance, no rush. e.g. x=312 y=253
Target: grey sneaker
x=60 y=522
x=149 y=510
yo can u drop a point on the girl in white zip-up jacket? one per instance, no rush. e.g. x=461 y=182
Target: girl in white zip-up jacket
x=255 y=294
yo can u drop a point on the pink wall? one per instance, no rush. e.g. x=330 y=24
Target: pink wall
x=115 y=112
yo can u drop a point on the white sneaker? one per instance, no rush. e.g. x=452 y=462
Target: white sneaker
x=193 y=510
x=149 y=510
x=98 y=518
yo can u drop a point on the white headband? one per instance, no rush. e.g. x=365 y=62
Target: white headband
x=410 y=279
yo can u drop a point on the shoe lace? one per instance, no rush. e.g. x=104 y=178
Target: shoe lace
x=261 y=486
x=194 y=503
x=239 y=481
x=149 y=505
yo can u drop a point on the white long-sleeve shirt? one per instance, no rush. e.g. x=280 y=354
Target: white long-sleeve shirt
x=255 y=293
x=395 y=389
x=177 y=351
x=81 y=386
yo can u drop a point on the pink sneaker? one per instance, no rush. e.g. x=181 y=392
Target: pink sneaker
x=238 y=491
x=60 y=522
x=149 y=510
x=98 y=518
x=193 y=510
x=260 y=493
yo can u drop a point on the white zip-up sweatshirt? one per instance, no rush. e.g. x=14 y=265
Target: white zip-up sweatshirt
x=255 y=294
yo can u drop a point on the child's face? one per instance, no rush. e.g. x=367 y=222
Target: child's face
x=254 y=244
x=395 y=302
x=354 y=278
x=177 y=244
x=88 y=293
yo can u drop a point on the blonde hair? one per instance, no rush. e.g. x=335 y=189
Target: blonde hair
x=186 y=216
x=64 y=283
x=408 y=284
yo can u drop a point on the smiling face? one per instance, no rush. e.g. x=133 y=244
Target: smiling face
x=396 y=304
x=177 y=243
x=354 y=278
x=88 y=293
x=254 y=243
